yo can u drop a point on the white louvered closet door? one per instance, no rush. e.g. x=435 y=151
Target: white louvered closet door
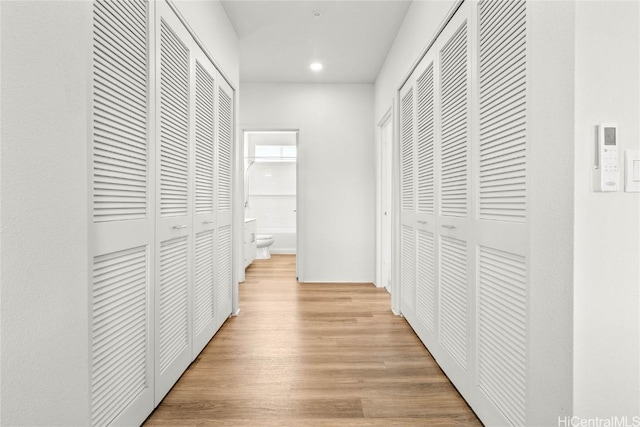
x=174 y=228
x=121 y=234
x=418 y=119
x=426 y=179
x=224 y=160
x=408 y=201
x=204 y=79
x=452 y=231
x=501 y=210
x=464 y=229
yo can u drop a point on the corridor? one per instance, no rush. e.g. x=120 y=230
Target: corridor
x=312 y=355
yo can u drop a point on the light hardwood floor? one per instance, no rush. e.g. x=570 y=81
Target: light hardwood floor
x=312 y=355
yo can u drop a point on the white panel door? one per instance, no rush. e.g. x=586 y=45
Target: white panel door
x=204 y=78
x=452 y=230
x=162 y=149
x=435 y=164
x=426 y=178
x=464 y=232
x=174 y=228
x=224 y=161
x=121 y=234
x=436 y=199
x=407 y=202
x=501 y=213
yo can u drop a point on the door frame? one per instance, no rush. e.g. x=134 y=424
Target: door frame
x=391 y=158
x=299 y=204
x=384 y=200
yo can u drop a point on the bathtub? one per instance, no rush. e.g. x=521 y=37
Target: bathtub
x=284 y=239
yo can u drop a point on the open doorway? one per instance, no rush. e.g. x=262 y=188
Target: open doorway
x=270 y=190
x=385 y=138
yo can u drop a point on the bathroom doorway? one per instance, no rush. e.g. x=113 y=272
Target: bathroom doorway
x=270 y=188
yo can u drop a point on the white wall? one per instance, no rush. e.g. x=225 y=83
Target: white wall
x=209 y=21
x=45 y=93
x=336 y=167
x=422 y=21
x=550 y=130
x=607 y=225
x=0 y=222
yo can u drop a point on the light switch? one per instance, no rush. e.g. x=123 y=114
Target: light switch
x=632 y=171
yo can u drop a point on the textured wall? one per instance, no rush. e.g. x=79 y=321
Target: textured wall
x=45 y=97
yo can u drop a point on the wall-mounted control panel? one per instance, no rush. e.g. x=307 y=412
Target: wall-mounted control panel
x=606 y=173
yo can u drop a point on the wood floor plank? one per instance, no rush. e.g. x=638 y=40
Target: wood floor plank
x=312 y=355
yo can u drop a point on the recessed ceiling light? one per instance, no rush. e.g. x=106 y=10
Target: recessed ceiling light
x=316 y=66
x=317 y=14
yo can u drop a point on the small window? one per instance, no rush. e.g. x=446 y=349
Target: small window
x=275 y=153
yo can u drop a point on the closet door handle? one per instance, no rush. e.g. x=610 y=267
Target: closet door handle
x=449 y=227
x=207 y=222
x=178 y=227
x=420 y=222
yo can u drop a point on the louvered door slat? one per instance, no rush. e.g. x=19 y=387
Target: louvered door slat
x=454 y=144
x=120 y=152
x=135 y=6
x=496 y=28
x=112 y=67
x=496 y=73
x=502 y=158
x=174 y=123
x=407 y=153
x=224 y=151
x=505 y=97
x=120 y=359
x=109 y=76
x=502 y=340
x=500 y=137
x=205 y=98
x=120 y=99
x=425 y=281
x=118 y=346
x=130 y=50
x=454 y=298
x=425 y=164
x=408 y=269
x=204 y=281
x=223 y=266
x=127 y=14
x=173 y=300
x=110 y=109
x=502 y=165
x=122 y=161
x=114 y=53
x=121 y=142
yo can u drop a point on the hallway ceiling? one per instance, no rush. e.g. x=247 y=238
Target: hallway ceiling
x=280 y=39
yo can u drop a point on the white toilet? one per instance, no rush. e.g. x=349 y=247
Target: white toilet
x=263 y=241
